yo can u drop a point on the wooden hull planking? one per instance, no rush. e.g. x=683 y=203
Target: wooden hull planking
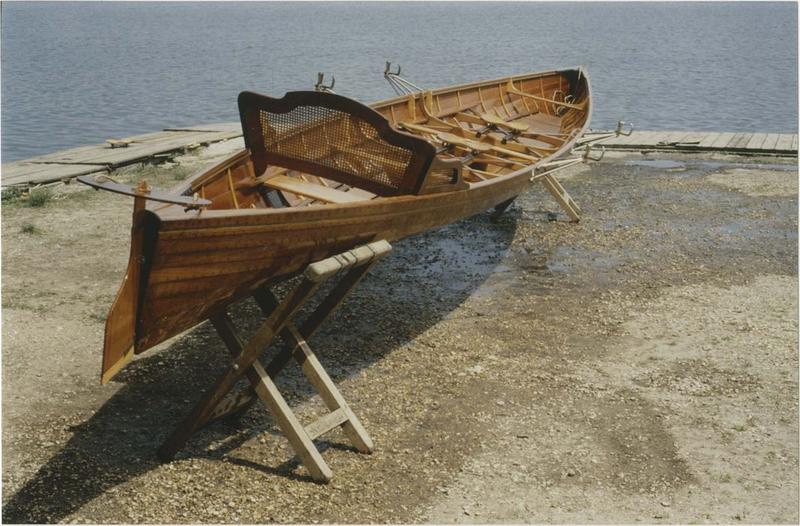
x=187 y=265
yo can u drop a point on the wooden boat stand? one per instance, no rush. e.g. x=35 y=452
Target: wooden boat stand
x=280 y=321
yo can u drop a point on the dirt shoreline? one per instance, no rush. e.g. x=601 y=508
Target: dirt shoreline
x=640 y=366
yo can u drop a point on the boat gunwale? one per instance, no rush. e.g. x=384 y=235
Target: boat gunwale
x=479 y=84
x=172 y=223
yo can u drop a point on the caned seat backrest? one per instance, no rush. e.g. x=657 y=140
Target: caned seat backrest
x=335 y=137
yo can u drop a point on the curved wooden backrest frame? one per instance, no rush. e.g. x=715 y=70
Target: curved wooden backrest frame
x=334 y=137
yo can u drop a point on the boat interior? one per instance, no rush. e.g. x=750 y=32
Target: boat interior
x=319 y=149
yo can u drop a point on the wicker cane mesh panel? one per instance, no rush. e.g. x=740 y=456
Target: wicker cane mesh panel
x=336 y=140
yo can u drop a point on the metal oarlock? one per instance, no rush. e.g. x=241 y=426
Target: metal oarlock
x=587 y=154
x=387 y=70
x=320 y=86
x=620 y=127
x=400 y=85
x=594 y=137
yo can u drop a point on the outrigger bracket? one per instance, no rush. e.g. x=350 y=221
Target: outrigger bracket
x=320 y=86
x=400 y=85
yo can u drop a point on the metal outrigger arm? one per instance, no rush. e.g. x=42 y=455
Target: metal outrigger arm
x=400 y=85
x=584 y=148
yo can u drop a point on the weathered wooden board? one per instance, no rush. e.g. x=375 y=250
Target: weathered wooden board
x=740 y=141
x=140 y=147
x=724 y=140
x=695 y=138
x=708 y=140
x=736 y=139
x=102 y=157
x=25 y=173
x=785 y=142
x=770 y=141
x=228 y=127
x=756 y=142
x=743 y=142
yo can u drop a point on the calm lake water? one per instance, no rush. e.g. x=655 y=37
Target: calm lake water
x=75 y=74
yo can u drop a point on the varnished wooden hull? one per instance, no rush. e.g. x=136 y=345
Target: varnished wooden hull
x=187 y=265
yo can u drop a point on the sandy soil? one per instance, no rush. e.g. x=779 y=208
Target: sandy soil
x=640 y=366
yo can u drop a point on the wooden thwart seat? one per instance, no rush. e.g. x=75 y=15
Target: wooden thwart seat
x=280 y=321
x=311 y=190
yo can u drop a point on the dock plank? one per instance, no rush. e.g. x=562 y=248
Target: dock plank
x=227 y=127
x=694 y=137
x=624 y=139
x=770 y=142
x=785 y=142
x=723 y=140
x=633 y=138
x=737 y=138
x=665 y=137
x=641 y=137
x=756 y=142
x=645 y=139
x=741 y=142
x=669 y=136
x=141 y=147
x=709 y=139
x=101 y=157
x=23 y=173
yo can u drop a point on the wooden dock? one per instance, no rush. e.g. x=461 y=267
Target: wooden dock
x=64 y=165
x=67 y=164
x=783 y=144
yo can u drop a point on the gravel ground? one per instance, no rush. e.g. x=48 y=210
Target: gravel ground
x=639 y=366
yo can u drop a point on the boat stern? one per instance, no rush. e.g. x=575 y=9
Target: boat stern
x=121 y=324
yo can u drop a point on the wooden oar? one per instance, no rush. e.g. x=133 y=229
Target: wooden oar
x=468 y=143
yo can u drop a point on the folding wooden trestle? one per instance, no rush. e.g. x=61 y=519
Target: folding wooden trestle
x=279 y=321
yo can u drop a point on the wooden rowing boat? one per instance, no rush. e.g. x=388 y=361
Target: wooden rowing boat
x=321 y=174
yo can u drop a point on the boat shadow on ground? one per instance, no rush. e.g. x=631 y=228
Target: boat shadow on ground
x=416 y=286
